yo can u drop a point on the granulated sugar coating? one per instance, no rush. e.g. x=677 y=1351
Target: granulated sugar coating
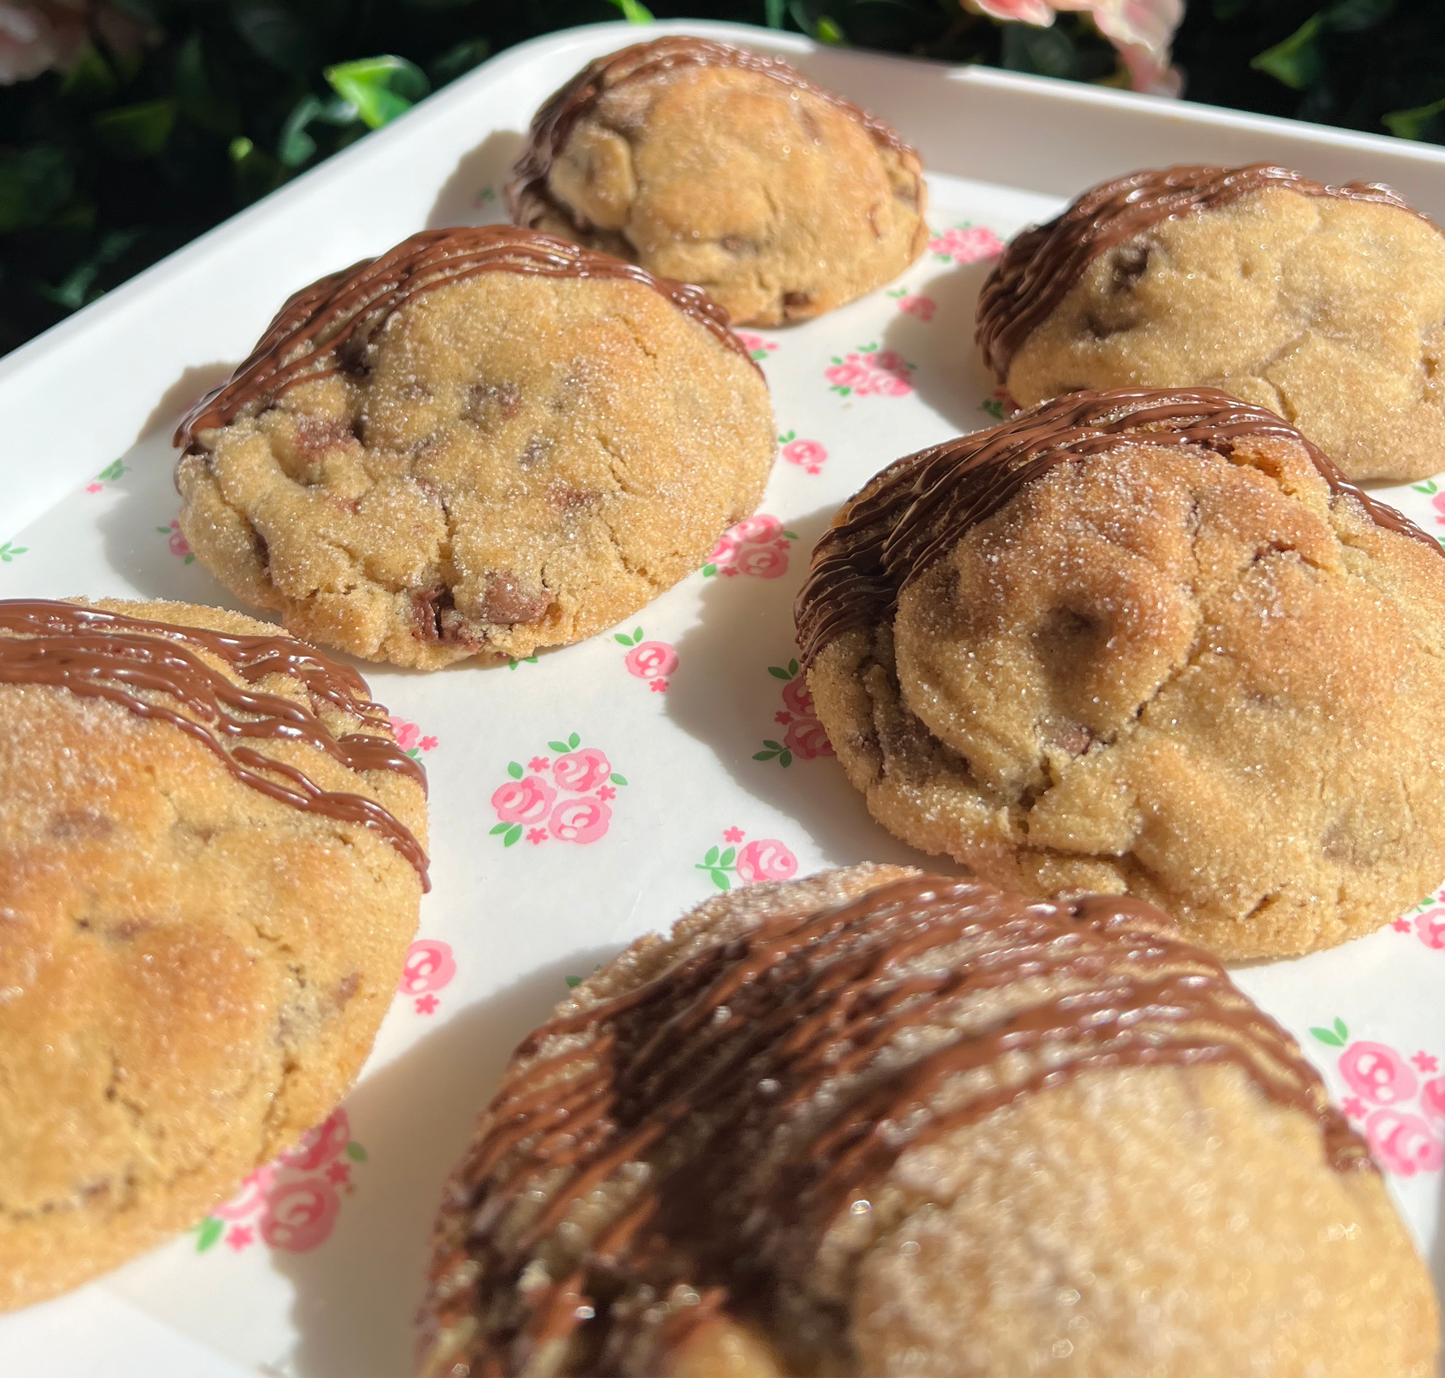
x=484 y=465
x=878 y=1124
x=728 y=169
x=1323 y=306
x=1196 y=677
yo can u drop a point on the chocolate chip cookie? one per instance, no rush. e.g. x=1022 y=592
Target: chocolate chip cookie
x=1149 y=642
x=724 y=168
x=210 y=864
x=1325 y=304
x=883 y=1123
x=484 y=442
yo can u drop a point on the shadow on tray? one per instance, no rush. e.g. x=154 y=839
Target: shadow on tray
x=738 y=690
x=475 y=193
x=356 y=1298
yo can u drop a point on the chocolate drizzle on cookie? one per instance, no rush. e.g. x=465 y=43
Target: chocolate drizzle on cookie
x=1040 y=265
x=736 y=1107
x=151 y=669
x=919 y=507
x=324 y=328
x=528 y=193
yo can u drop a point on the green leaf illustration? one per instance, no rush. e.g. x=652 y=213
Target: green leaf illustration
x=776 y=746
x=777 y=672
x=1295 y=61
x=529 y=660
x=211 y=1230
x=791 y=535
x=868 y=348
x=558 y=746
x=1428 y=487
x=786 y=759
x=572 y=982
x=842 y=392
x=1342 y=1029
x=793 y=667
x=618 y=779
x=636 y=635
x=514 y=769
x=514 y=834
x=355 y=1152
x=8 y=552
x=711 y=858
x=727 y=858
x=574 y=741
x=1410 y=124
x=720 y=879
x=622 y=638
x=708 y=571
x=783 y=439
x=500 y=828
x=1329 y=1036
x=112 y=471
x=764 y=755
x=836 y=359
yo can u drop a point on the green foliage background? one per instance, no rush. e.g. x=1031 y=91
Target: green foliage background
x=107 y=168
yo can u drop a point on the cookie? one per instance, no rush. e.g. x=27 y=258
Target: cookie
x=883 y=1123
x=724 y=168
x=1148 y=642
x=484 y=442
x=1325 y=304
x=211 y=855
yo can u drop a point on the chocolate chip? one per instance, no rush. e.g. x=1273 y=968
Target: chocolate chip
x=1128 y=264
x=346 y=988
x=796 y=299
x=317 y=434
x=510 y=600
x=427 y=607
x=81 y=824
x=534 y=451
x=506 y=397
x=351 y=355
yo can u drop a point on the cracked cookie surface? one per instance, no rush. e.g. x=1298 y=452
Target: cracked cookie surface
x=192 y=969
x=1173 y=658
x=878 y=1124
x=718 y=166
x=1324 y=304
x=485 y=442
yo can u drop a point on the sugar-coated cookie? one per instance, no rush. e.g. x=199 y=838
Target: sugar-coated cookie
x=483 y=442
x=210 y=864
x=878 y=1124
x=1325 y=304
x=1149 y=642
x=728 y=169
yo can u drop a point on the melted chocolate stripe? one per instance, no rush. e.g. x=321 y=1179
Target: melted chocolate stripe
x=721 y=1055
x=528 y=194
x=918 y=508
x=97 y=654
x=302 y=342
x=1041 y=265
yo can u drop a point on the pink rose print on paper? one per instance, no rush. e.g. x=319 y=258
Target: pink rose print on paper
x=1000 y=405
x=409 y=738
x=1426 y=920
x=571 y=807
x=1438 y=503
x=649 y=660
x=805 y=736
x=1401 y=1141
x=110 y=474
x=757 y=546
x=911 y=305
x=764 y=859
x=808 y=455
x=429 y=966
x=179 y=546
x=870 y=372
x=756 y=345
x=965 y=243
x=292 y=1204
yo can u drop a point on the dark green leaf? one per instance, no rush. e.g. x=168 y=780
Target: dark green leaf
x=458 y=59
x=1411 y=124
x=773 y=13
x=793 y=664
x=296 y=146
x=136 y=131
x=206 y=97
x=776 y=746
x=1295 y=62
x=1047 y=52
x=274 y=33
x=92 y=79
x=764 y=755
x=355 y=1152
x=1355 y=16
x=77 y=288
x=777 y=672
x=786 y=759
x=34 y=183
x=572 y=982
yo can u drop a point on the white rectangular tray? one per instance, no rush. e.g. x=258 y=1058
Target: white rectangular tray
x=87 y=506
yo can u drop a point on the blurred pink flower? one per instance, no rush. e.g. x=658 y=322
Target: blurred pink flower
x=1140 y=29
x=42 y=35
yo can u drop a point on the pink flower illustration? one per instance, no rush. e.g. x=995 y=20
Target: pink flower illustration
x=808 y=455
x=797 y=696
x=651 y=660
x=1425 y=1062
x=922 y=307
x=300 y=1214
x=966 y=244
x=1430 y=926
x=607 y=792
x=94 y=487
x=408 y=737
x=523 y=801
x=429 y=966
x=1378 y=1073
x=579 y=820
x=536 y=836
x=1438 y=503
x=239 y=1236
x=763 y=562
x=427 y=1004
x=757 y=546
x=320 y=1145
x=539 y=762
x=581 y=771
x=766 y=859
x=659 y=686
x=339 y=1174
x=1403 y=1143
x=1354 y=1107
x=870 y=371
x=807 y=740
x=177 y=542
x=1432 y=1100
x=755 y=345
x=250 y=1197
x=733 y=835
